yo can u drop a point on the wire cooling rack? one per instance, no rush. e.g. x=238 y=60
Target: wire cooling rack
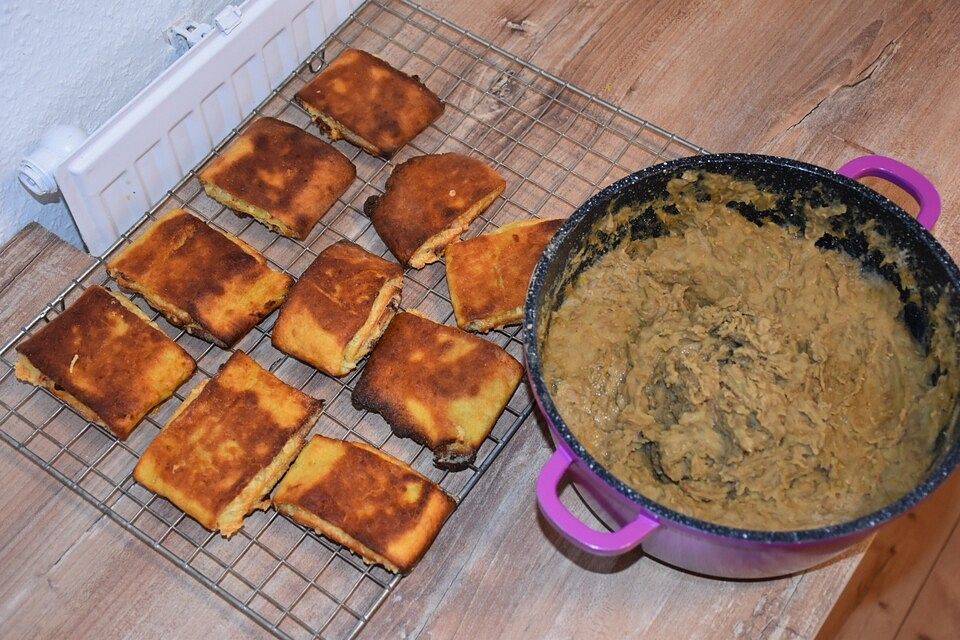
x=555 y=145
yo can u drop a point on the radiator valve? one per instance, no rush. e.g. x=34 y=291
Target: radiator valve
x=36 y=169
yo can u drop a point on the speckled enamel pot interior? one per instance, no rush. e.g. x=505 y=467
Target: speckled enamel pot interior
x=934 y=270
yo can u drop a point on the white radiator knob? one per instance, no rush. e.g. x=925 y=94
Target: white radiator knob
x=36 y=169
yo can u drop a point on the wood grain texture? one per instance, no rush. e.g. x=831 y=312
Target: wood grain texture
x=821 y=83
x=895 y=569
x=823 y=86
x=935 y=614
x=65 y=569
x=521 y=579
x=35 y=266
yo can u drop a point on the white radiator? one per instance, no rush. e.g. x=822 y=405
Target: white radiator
x=131 y=161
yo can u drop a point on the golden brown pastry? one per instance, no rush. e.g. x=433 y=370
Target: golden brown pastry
x=106 y=359
x=368 y=501
x=280 y=175
x=489 y=275
x=228 y=444
x=438 y=385
x=212 y=284
x=364 y=100
x=339 y=308
x=429 y=201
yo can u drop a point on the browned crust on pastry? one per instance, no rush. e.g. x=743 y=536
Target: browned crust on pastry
x=373 y=504
x=429 y=201
x=438 y=385
x=373 y=105
x=105 y=359
x=489 y=275
x=339 y=308
x=281 y=175
x=212 y=284
x=228 y=444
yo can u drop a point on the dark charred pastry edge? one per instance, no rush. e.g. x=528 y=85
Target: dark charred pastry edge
x=912 y=251
x=453 y=462
x=365 y=399
x=188 y=323
x=370 y=205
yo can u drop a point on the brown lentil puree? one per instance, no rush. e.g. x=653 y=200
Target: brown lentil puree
x=738 y=374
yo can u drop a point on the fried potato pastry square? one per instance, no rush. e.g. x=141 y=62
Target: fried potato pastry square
x=280 y=175
x=228 y=444
x=429 y=201
x=488 y=276
x=368 y=501
x=363 y=99
x=212 y=284
x=339 y=308
x=438 y=385
x=106 y=359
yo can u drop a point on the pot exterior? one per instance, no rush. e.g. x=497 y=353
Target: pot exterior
x=697 y=551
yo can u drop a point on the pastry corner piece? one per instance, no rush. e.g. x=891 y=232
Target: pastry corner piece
x=361 y=98
x=429 y=201
x=280 y=175
x=212 y=284
x=489 y=275
x=371 y=503
x=339 y=308
x=228 y=444
x=438 y=385
x=106 y=359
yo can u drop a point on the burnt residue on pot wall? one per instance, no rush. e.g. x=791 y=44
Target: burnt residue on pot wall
x=880 y=243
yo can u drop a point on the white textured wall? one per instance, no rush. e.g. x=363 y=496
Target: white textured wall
x=73 y=62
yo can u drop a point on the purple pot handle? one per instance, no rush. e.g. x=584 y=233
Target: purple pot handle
x=907 y=178
x=590 y=540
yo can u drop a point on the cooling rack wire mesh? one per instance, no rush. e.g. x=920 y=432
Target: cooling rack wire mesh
x=555 y=145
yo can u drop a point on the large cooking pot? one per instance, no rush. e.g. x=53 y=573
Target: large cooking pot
x=684 y=541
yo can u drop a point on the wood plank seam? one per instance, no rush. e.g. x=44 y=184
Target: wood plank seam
x=933 y=566
x=47 y=242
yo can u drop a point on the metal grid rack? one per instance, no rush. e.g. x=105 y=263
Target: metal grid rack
x=555 y=145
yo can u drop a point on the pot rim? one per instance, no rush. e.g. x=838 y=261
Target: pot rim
x=873 y=201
